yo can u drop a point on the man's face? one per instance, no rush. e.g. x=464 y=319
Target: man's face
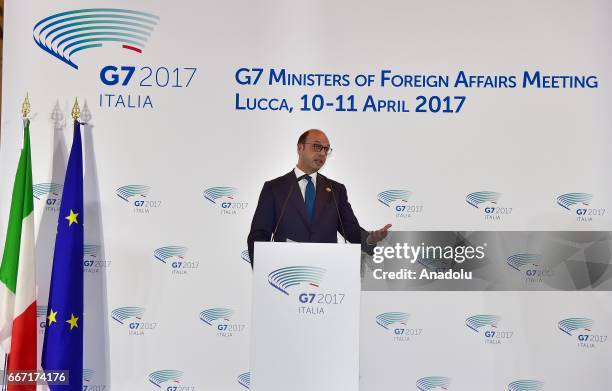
x=309 y=160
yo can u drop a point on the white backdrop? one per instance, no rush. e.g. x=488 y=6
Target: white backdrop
x=530 y=145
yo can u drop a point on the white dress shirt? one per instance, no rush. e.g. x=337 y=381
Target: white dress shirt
x=302 y=183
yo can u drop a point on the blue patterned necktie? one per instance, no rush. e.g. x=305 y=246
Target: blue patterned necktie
x=309 y=198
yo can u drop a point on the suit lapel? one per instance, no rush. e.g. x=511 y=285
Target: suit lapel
x=322 y=196
x=296 y=197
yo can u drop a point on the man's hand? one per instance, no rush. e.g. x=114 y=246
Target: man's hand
x=376 y=236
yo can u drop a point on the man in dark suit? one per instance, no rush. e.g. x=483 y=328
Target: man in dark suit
x=313 y=207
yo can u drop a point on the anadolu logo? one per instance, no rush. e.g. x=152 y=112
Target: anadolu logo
x=398 y=200
x=433 y=383
x=132 y=318
x=526 y=385
x=487 y=202
x=174 y=256
x=582 y=329
x=488 y=325
x=53 y=192
x=221 y=320
x=92 y=262
x=579 y=203
x=531 y=265
x=244 y=379
x=163 y=376
x=226 y=199
x=64 y=34
x=135 y=195
x=396 y=324
x=307 y=278
x=41 y=315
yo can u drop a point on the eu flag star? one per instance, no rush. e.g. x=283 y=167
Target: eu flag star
x=51 y=317
x=72 y=218
x=72 y=321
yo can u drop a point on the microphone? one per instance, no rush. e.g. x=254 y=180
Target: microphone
x=330 y=189
x=282 y=213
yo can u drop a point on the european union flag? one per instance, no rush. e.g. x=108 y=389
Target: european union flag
x=63 y=344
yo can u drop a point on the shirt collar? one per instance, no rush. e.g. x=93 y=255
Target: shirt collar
x=299 y=173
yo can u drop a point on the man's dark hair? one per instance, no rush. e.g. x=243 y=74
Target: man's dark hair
x=303 y=137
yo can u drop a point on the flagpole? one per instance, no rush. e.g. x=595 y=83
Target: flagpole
x=4 y=374
x=25 y=111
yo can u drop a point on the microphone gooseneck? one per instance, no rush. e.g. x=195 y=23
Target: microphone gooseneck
x=331 y=190
x=282 y=213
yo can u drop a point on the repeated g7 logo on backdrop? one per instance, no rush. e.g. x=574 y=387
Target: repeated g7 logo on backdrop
x=71 y=34
x=579 y=204
x=163 y=376
x=582 y=329
x=244 y=255
x=87 y=374
x=486 y=325
x=220 y=319
x=308 y=279
x=526 y=385
x=41 y=318
x=396 y=325
x=93 y=262
x=531 y=266
x=431 y=383
x=175 y=258
x=170 y=380
x=132 y=318
x=88 y=381
x=52 y=192
x=137 y=197
x=487 y=201
x=244 y=379
x=397 y=201
x=226 y=199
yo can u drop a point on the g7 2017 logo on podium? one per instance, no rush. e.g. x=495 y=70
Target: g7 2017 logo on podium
x=308 y=278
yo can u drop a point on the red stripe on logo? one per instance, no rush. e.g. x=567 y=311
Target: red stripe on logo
x=132 y=48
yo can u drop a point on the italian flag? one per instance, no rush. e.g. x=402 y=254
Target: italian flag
x=18 y=272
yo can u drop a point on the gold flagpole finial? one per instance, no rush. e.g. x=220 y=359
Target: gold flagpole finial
x=76 y=110
x=25 y=107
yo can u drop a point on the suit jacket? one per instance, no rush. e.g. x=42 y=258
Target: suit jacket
x=294 y=224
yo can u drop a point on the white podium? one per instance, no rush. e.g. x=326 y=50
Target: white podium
x=305 y=319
